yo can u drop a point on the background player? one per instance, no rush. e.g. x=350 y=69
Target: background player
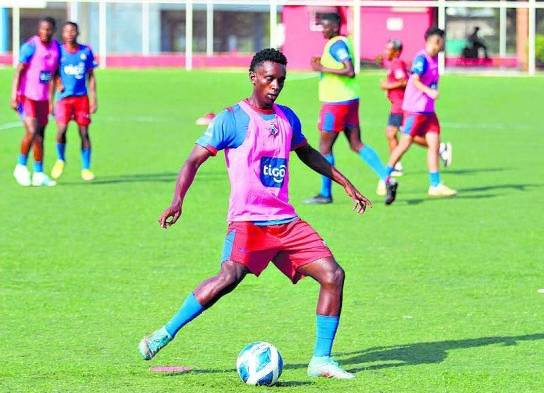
x=395 y=85
x=76 y=68
x=419 y=107
x=31 y=97
x=339 y=96
x=257 y=136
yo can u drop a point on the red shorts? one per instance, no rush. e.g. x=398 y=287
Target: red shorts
x=288 y=246
x=73 y=108
x=420 y=123
x=38 y=110
x=337 y=116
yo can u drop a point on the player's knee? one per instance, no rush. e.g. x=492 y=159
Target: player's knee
x=334 y=277
x=356 y=146
x=229 y=277
x=391 y=132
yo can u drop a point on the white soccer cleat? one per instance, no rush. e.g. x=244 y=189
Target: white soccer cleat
x=441 y=190
x=40 y=179
x=22 y=175
x=327 y=367
x=398 y=170
x=381 y=189
x=446 y=153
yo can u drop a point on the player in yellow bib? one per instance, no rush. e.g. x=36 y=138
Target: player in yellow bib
x=339 y=96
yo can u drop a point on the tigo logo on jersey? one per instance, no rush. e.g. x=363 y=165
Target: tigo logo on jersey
x=273 y=171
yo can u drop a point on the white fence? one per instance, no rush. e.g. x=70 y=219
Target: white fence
x=272 y=5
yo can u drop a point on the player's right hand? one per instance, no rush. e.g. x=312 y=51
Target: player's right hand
x=432 y=93
x=14 y=103
x=170 y=216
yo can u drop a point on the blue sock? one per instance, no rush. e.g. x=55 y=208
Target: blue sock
x=86 y=158
x=369 y=156
x=38 y=166
x=190 y=309
x=389 y=170
x=326 y=327
x=61 y=149
x=22 y=159
x=326 y=183
x=434 y=178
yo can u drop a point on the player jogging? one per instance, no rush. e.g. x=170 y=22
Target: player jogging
x=419 y=106
x=257 y=136
x=339 y=96
x=31 y=97
x=394 y=86
x=76 y=68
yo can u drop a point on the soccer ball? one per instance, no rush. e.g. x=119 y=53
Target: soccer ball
x=259 y=363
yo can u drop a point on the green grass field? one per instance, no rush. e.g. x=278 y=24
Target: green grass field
x=441 y=295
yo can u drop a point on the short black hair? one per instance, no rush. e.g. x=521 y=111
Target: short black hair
x=433 y=30
x=396 y=44
x=331 y=17
x=268 y=54
x=70 y=23
x=49 y=20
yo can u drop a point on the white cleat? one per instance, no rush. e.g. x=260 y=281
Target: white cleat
x=22 y=175
x=40 y=179
x=398 y=170
x=327 y=367
x=446 y=153
x=381 y=189
x=441 y=190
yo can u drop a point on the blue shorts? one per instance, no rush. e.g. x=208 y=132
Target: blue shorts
x=395 y=120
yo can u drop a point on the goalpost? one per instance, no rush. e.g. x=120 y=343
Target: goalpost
x=441 y=5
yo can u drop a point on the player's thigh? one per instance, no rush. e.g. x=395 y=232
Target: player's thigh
x=332 y=117
x=324 y=270
x=82 y=113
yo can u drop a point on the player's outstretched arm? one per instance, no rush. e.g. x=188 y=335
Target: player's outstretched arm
x=186 y=176
x=313 y=159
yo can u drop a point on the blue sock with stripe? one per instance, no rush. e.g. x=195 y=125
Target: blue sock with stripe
x=326 y=327
x=369 y=156
x=189 y=310
x=326 y=183
x=86 y=158
x=38 y=166
x=434 y=178
x=61 y=151
x=22 y=159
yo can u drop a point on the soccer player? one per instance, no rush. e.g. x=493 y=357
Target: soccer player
x=31 y=97
x=76 y=69
x=420 y=117
x=339 y=96
x=257 y=136
x=394 y=86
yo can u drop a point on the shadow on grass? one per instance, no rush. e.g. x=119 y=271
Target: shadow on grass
x=165 y=177
x=418 y=353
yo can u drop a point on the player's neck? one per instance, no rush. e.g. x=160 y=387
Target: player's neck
x=72 y=47
x=259 y=107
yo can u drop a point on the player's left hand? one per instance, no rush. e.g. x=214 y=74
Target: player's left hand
x=361 y=202
x=173 y=213
x=316 y=64
x=93 y=106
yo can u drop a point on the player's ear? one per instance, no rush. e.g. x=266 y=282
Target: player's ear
x=252 y=76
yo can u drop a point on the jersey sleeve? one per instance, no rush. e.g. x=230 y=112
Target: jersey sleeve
x=91 y=61
x=221 y=134
x=419 y=65
x=299 y=139
x=340 y=51
x=26 y=53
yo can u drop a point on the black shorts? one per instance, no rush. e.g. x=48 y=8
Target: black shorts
x=395 y=120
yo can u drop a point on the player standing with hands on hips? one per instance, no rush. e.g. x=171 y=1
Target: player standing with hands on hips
x=258 y=136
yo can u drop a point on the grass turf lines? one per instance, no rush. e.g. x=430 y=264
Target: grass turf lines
x=441 y=295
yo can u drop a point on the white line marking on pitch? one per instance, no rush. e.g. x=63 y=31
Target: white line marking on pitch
x=7 y=126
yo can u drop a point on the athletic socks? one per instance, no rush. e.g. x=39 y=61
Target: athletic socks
x=61 y=149
x=22 y=159
x=434 y=178
x=190 y=309
x=326 y=183
x=326 y=327
x=389 y=170
x=86 y=158
x=38 y=166
x=369 y=156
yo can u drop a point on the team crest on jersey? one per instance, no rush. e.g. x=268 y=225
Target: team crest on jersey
x=273 y=171
x=83 y=56
x=273 y=129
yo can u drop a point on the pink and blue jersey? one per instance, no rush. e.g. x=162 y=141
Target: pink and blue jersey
x=257 y=145
x=426 y=67
x=42 y=63
x=74 y=67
